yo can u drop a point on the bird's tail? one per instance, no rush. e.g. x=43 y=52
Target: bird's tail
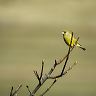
x=80 y=46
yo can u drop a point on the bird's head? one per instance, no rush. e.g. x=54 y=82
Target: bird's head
x=63 y=32
x=66 y=32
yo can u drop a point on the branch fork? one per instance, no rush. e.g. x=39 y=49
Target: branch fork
x=15 y=92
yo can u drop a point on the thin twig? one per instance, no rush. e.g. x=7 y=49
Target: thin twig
x=15 y=92
x=11 y=91
x=29 y=90
x=52 y=69
x=58 y=76
x=42 y=69
x=36 y=74
x=17 y=89
x=70 y=67
x=48 y=88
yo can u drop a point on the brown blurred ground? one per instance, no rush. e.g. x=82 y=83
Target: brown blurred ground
x=30 y=30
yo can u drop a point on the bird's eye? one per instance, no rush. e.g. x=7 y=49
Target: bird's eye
x=64 y=31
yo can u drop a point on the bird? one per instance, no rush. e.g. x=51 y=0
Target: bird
x=67 y=35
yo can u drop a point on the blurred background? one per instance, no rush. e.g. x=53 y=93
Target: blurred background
x=30 y=30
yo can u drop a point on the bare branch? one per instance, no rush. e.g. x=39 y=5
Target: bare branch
x=52 y=69
x=17 y=89
x=36 y=74
x=29 y=91
x=15 y=92
x=70 y=67
x=48 y=88
x=42 y=69
x=11 y=91
x=58 y=76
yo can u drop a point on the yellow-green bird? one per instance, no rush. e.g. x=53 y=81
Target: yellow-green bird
x=67 y=38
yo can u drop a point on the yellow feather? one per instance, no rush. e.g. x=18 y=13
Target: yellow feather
x=67 y=38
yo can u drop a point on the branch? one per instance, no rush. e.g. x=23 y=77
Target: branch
x=36 y=74
x=70 y=67
x=11 y=91
x=52 y=69
x=15 y=92
x=29 y=91
x=42 y=69
x=48 y=88
x=58 y=76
